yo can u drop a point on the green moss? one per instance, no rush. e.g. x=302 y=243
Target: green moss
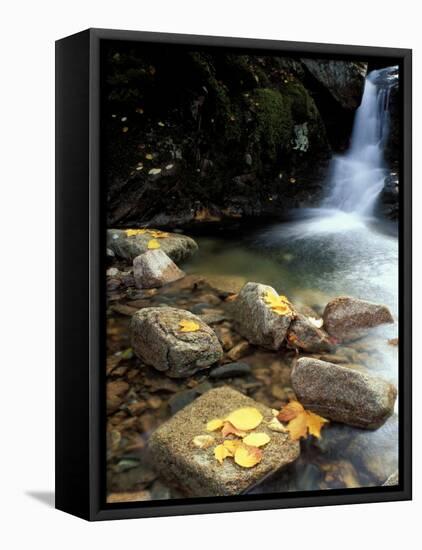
x=274 y=121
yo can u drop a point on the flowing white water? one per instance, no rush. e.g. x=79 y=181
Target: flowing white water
x=357 y=177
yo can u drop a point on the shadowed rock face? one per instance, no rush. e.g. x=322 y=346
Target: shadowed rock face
x=195 y=471
x=343 y=394
x=343 y=79
x=348 y=318
x=158 y=341
x=304 y=335
x=154 y=269
x=256 y=321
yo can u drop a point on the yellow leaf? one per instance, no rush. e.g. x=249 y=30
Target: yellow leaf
x=221 y=452
x=278 y=304
x=256 y=439
x=186 y=325
x=157 y=234
x=315 y=423
x=153 y=244
x=247 y=457
x=203 y=441
x=298 y=427
x=231 y=445
x=133 y=232
x=246 y=418
x=300 y=421
x=290 y=411
x=215 y=424
x=229 y=429
x=148 y=156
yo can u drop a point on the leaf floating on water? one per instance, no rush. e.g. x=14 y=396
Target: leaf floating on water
x=203 y=441
x=256 y=439
x=215 y=424
x=186 y=325
x=246 y=418
x=221 y=452
x=247 y=457
x=229 y=429
x=278 y=304
x=300 y=421
x=153 y=244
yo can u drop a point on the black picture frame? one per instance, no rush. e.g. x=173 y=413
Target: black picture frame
x=80 y=284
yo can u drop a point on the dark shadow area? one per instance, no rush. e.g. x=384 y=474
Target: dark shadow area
x=45 y=497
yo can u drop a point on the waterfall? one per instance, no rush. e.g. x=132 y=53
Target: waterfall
x=357 y=177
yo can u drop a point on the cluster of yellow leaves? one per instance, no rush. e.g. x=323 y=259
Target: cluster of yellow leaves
x=155 y=233
x=245 y=450
x=300 y=421
x=278 y=304
x=187 y=325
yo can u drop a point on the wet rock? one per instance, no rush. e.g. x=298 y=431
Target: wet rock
x=304 y=335
x=116 y=391
x=131 y=496
x=342 y=79
x=392 y=480
x=239 y=350
x=230 y=370
x=196 y=471
x=158 y=341
x=225 y=284
x=213 y=316
x=347 y=318
x=254 y=319
x=343 y=394
x=177 y=247
x=154 y=269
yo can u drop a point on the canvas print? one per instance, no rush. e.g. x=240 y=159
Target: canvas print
x=252 y=209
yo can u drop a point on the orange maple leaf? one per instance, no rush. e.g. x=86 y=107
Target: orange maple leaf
x=301 y=422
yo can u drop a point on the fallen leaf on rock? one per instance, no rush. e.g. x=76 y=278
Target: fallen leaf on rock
x=221 y=452
x=232 y=445
x=203 y=441
x=215 y=424
x=247 y=457
x=246 y=418
x=256 y=439
x=153 y=244
x=300 y=421
x=229 y=429
x=134 y=232
x=278 y=304
x=186 y=325
x=276 y=426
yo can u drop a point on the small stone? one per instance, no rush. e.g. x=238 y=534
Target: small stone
x=347 y=318
x=256 y=321
x=116 y=391
x=230 y=370
x=305 y=335
x=154 y=269
x=343 y=394
x=158 y=341
x=239 y=350
x=196 y=471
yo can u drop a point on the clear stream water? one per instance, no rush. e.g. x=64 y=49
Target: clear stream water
x=338 y=249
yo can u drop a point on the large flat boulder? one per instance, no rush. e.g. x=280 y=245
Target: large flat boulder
x=159 y=340
x=343 y=394
x=256 y=321
x=195 y=471
x=348 y=319
x=127 y=246
x=154 y=269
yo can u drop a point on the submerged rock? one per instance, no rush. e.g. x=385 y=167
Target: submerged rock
x=305 y=335
x=256 y=321
x=178 y=247
x=158 y=341
x=347 y=318
x=230 y=370
x=195 y=470
x=154 y=269
x=343 y=394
